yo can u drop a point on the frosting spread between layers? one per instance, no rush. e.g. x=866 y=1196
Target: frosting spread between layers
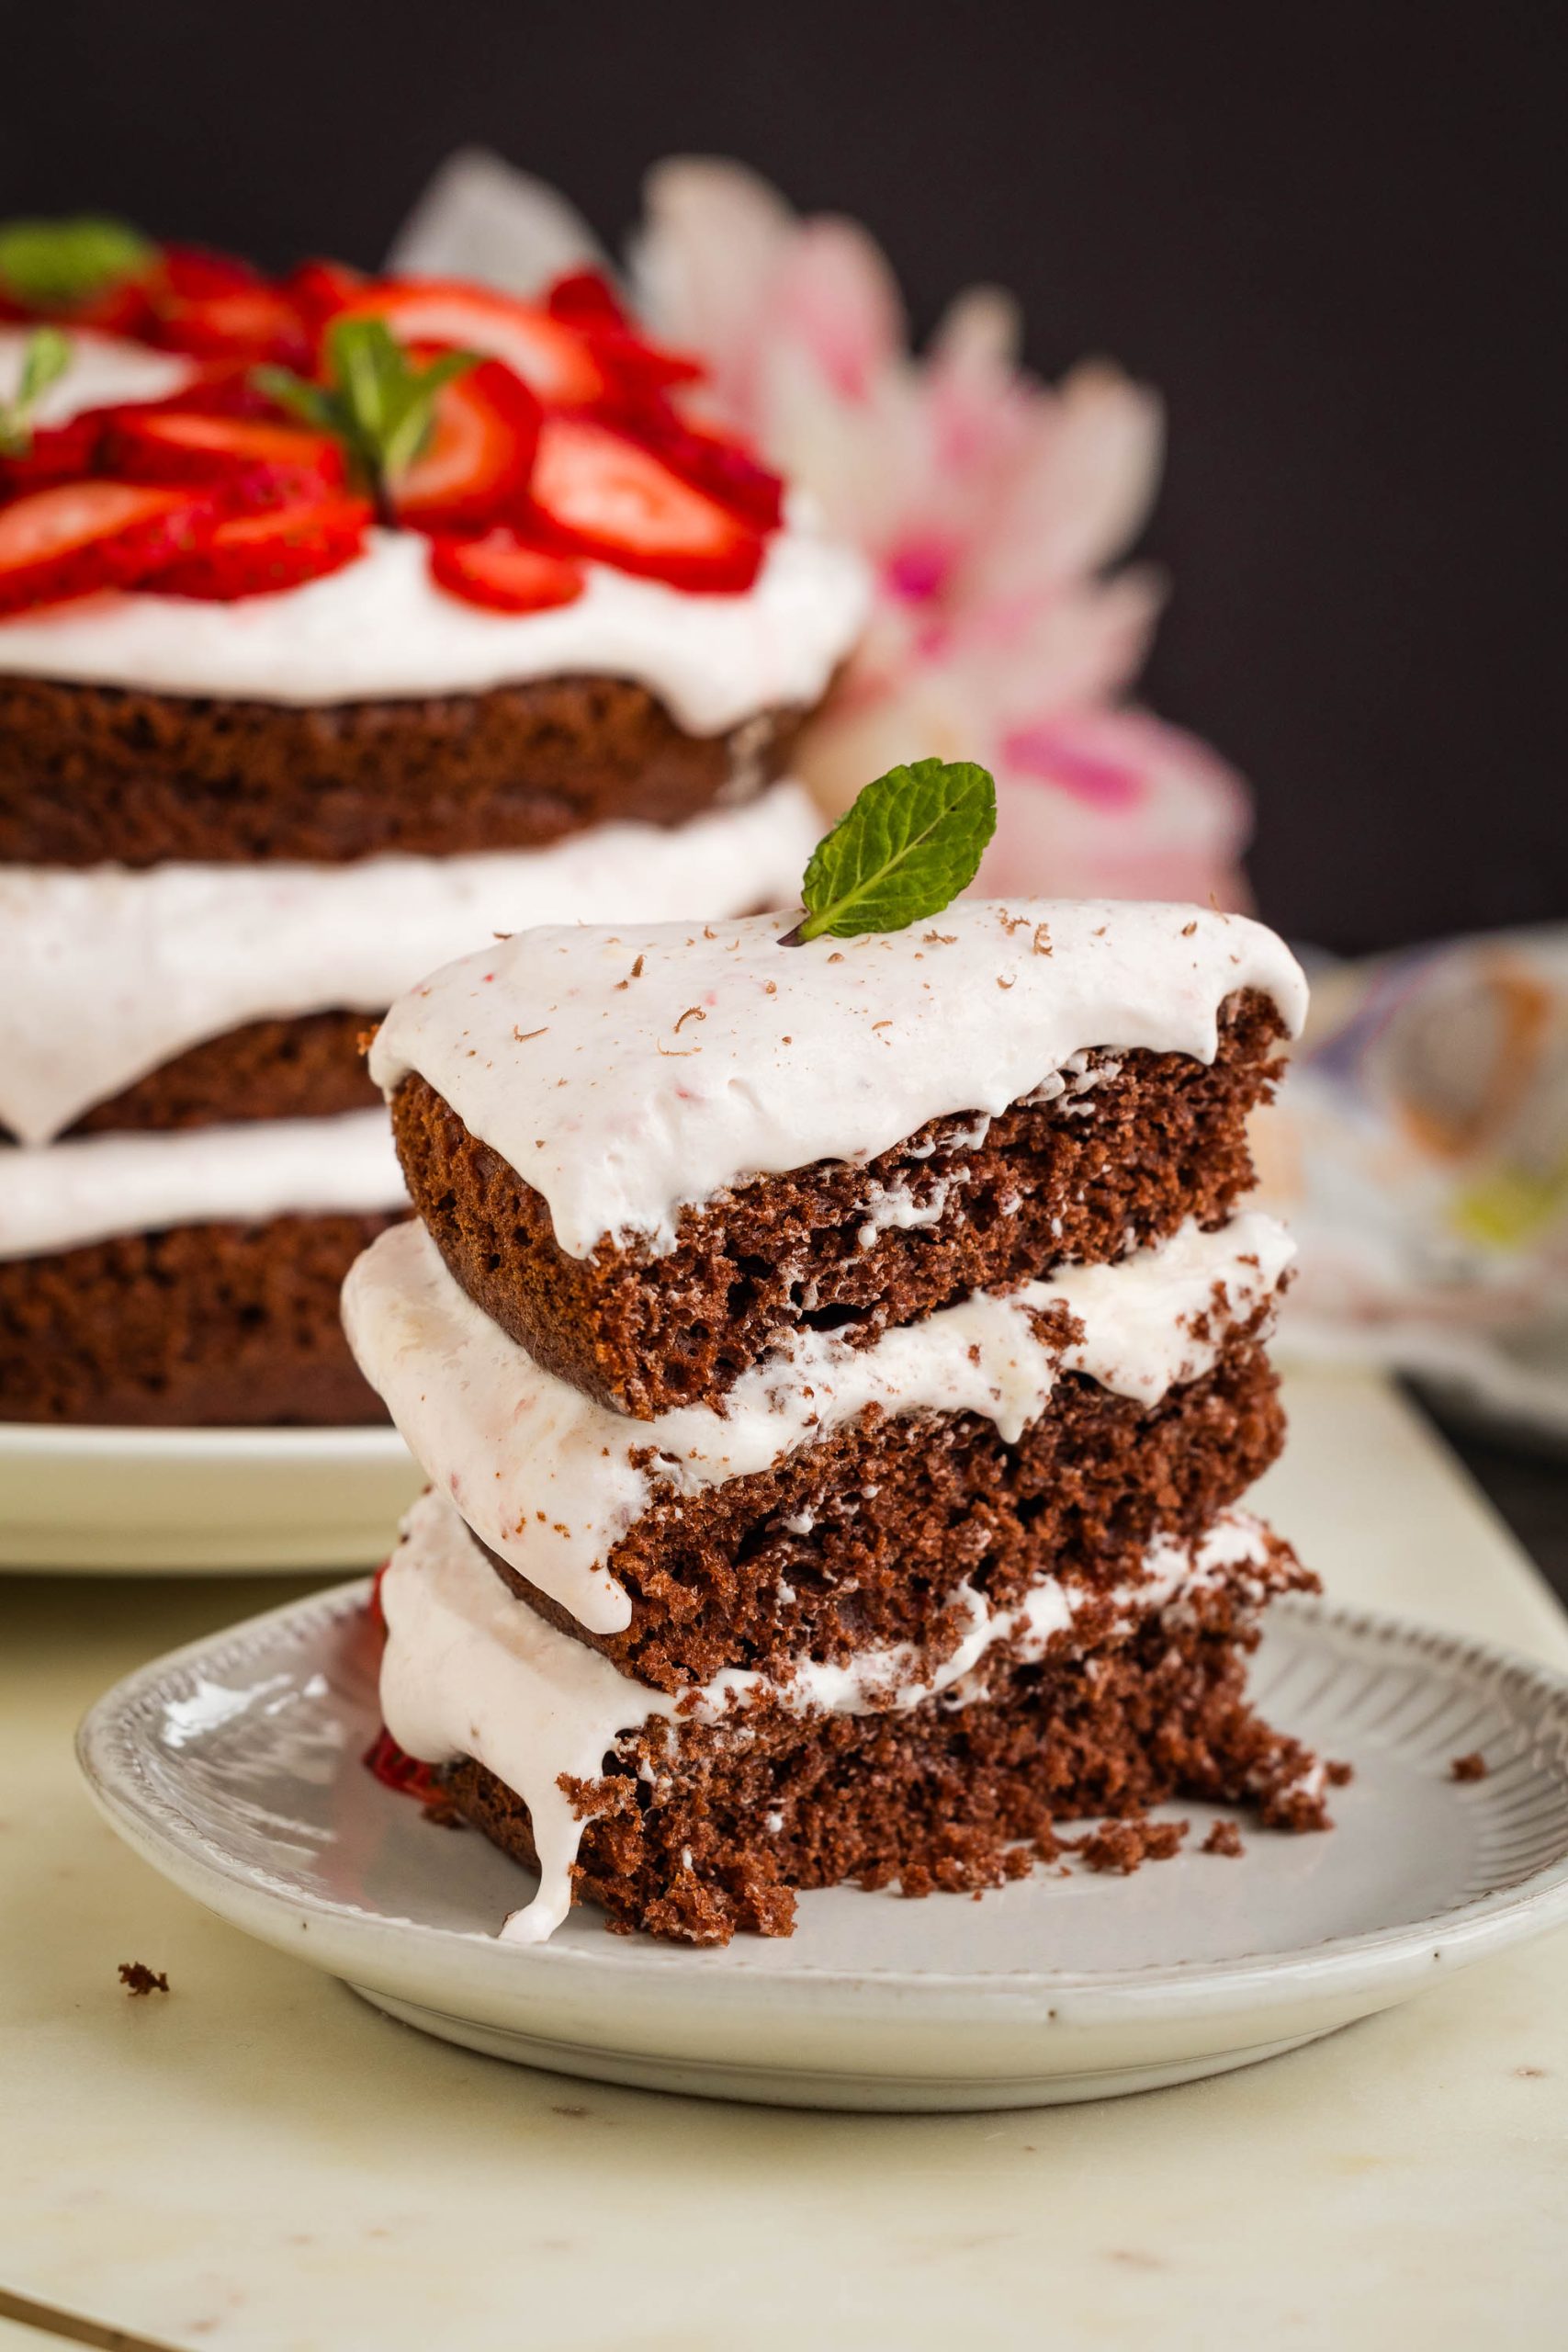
x=107 y=972
x=551 y=1479
x=69 y=1194
x=657 y=1065
x=469 y=1670
x=380 y=629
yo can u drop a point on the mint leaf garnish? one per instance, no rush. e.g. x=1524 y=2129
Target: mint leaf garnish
x=911 y=841
x=50 y=264
x=46 y=356
x=376 y=401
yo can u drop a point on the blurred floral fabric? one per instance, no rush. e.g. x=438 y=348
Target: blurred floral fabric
x=995 y=511
x=1419 y=1148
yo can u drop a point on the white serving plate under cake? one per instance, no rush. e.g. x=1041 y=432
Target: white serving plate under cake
x=189 y=1502
x=234 y=1766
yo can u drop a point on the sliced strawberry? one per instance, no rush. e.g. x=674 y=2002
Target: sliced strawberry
x=713 y=462
x=585 y=298
x=243 y=322
x=319 y=289
x=504 y=573
x=56 y=453
x=193 y=273
x=256 y=555
x=553 y=361
x=596 y=492
x=253 y=467
x=221 y=389
x=476 y=466
x=84 y=535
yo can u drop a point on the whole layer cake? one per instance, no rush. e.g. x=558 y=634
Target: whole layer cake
x=258 y=773
x=838 y=1369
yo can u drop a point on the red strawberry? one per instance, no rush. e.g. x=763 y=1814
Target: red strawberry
x=597 y=493
x=585 y=298
x=395 y=1770
x=84 y=535
x=478 y=459
x=56 y=453
x=244 y=322
x=221 y=389
x=712 y=461
x=319 y=289
x=250 y=466
x=501 y=571
x=193 y=272
x=553 y=361
x=256 y=555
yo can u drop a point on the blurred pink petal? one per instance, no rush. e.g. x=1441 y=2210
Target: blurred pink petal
x=1116 y=804
x=992 y=507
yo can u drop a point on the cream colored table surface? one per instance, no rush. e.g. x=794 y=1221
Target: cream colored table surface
x=260 y=2161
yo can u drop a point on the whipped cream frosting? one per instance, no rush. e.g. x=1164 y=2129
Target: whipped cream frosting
x=659 y=1064
x=469 y=1670
x=107 y=972
x=551 y=1478
x=381 y=627
x=105 y=371
x=69 y=1194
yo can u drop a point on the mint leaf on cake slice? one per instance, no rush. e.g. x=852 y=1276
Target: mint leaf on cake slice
x=911 y=841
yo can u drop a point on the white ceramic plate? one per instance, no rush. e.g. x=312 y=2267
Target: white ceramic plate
x=234 y=1768
x=197 y=1501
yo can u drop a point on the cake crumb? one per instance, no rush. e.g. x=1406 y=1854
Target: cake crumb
x=1125 y=1846
x=1472 y=1766
x=1224 y=1838
x=139 y=1979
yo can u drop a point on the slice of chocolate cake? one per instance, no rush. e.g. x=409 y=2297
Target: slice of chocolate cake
x=837 y=1368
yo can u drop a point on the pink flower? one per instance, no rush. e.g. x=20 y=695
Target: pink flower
x=992 y=507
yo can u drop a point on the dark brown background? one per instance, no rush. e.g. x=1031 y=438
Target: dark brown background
x=1328 y=232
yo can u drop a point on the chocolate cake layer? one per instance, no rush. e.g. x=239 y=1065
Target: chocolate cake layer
x=1159 y=1138
x=864 y=1539
x=203 y=1325
x=307 y=1067
x=695 y=1833
x=89 y=773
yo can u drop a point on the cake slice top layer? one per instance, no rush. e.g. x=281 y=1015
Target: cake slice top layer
x=628 y=1073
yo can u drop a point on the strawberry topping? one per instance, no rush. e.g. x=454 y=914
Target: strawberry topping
x=597 y=493
x=555 y=362
x=248 y=322
x=475 y=465
x=252 y=466
x=394 y=1769
x=55 y=453
x=501 y=571
x=257 y=555
x=85 y=536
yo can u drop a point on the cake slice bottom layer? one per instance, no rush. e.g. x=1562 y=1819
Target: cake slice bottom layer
x=697 y=1817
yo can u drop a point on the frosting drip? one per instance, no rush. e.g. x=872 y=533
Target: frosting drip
x=107 y=972
x=381 y=628
x=551 y=1479
x=469 y=1670
x=727 y=1056
x=69 y=1193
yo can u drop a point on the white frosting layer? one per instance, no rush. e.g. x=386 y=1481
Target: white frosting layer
x=69 y=1194
x=468 y=1671
x=381 y=627
x=727 y=1056
x=106 y=973
x=104 y=372
x=551 y=1479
